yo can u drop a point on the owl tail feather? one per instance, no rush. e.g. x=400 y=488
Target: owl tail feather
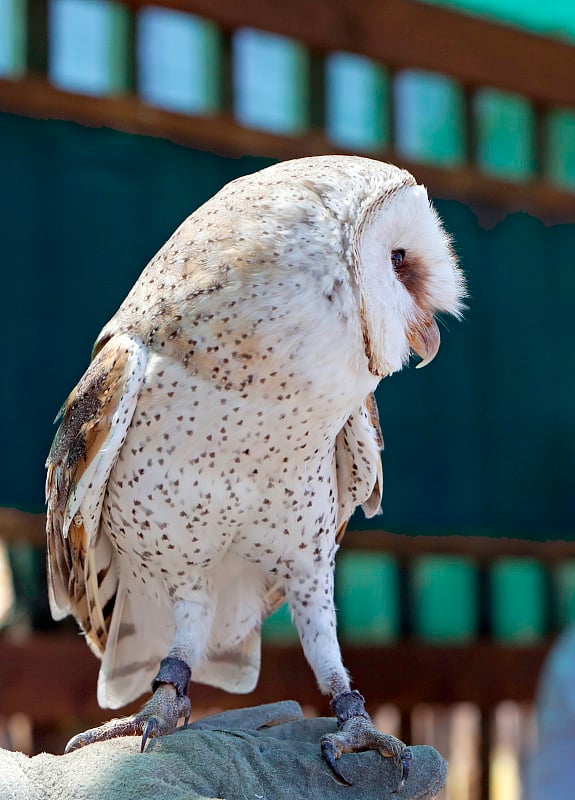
x=140 y=633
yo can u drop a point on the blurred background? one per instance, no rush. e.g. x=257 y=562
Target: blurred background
x=118 y=119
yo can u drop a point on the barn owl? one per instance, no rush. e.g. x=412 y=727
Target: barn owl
x=209 y=459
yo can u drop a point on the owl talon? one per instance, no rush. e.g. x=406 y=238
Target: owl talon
x=76 y=742
x=406 y=759
x=356 y=733
x=150 y=729
x=329 y=752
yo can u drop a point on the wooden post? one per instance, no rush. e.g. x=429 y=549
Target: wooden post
x=37 y=21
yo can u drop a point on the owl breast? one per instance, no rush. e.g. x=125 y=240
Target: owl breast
x=231 y=447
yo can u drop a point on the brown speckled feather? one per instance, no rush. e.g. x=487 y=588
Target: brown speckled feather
x=95 y=419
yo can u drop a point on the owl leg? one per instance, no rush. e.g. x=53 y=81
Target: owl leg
x=311 y=601
x=169 y=702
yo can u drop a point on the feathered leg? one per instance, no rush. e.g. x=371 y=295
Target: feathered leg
x=311 y=601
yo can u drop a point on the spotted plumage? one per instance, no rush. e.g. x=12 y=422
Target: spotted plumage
x=209 y=460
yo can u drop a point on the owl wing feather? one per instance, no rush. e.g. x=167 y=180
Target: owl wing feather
x=358 y=464
x=359 y=475
x=372 y=506
x=82 y=575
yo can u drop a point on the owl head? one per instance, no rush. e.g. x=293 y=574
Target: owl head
x=406 y=272
x=378 y=223
x=362 y=233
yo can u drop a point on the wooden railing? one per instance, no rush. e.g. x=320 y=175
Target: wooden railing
x=398 y=34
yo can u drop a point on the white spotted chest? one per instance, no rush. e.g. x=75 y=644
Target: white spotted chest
x=232 y=460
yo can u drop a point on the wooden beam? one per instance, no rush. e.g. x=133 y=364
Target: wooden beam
x=408 y=34
x=481 y=549
x=21 y=526
x=53 y=677
x=221 y=134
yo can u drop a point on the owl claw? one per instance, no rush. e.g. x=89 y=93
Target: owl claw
x=76 y=742
x=328 y=751
x=405 y=758
x=356 y=733
x=150 y=729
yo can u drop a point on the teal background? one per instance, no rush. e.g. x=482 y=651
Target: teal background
x=555 y=19
x=481 y=441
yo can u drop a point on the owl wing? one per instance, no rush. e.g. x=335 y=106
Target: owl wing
x=358 y=464
x=82 y=575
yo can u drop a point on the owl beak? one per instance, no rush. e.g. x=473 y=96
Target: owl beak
x=424 y=340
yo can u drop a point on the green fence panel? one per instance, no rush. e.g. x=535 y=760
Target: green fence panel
x=270 y=81
x=444 y=596
x=564 y=593
x=560 y=148
x=278 y=628
x=517 y=600
x=357 y=102
x=367 y=597
x=179 y=61
x=12 y=38
x=429 y=118
x=505 y=132
x=89 y=46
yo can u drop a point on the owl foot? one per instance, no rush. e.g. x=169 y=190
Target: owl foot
x=357 y=733
x=158 y=717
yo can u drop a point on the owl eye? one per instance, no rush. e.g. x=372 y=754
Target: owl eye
x=397 y=259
